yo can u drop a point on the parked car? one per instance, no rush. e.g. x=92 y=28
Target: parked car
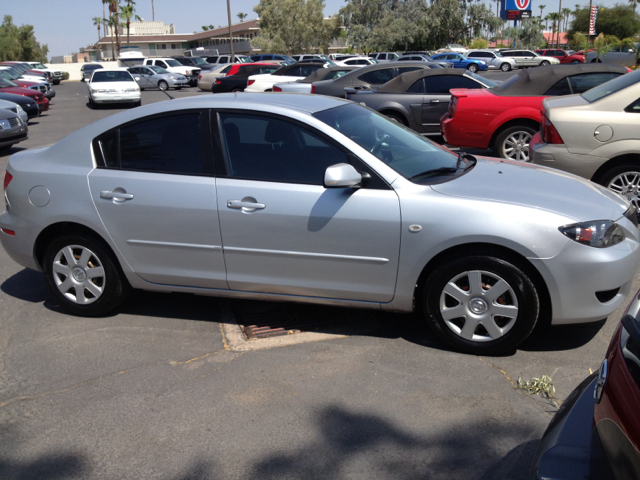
x=460 y=61
x=563 y=55
x=595 y=135
x=356 y=61
x=25 y=70
x=264 y=82
x=304 y=85
x=12 y=129
x=494 y=60
x=227 y=59
x=43 y=86
x=153 y=76
x=174 y=66
x=20 y=72
x=527 y=58
x=7 y=86
x=15 y=108
x=416 y=57
x=382 y=57
x=314 y=199
x=272 y=56
x=504 y=118
x=196 y=62
x=113 y=86
x=595 y=434
x=28 y=104
x=87 y=70
x=418 y=99
x=56 y=75
x=239 y=81
x=206 y=79
x=367 y=78
x=309 y=56
x=624 y=56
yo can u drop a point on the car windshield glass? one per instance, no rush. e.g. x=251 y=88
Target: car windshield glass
x=411 y=155
x=157 y=69
x=9 y=74
x=111 y=77
x=612 y=86
x=38 y=65
x=498 y=54
x=173 y=63
x=483 y=80
x=199 y=61
x=6 y=83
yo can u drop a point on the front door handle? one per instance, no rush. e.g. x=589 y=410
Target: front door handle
x=435 y=101
x=115 y=195
x=240 y=204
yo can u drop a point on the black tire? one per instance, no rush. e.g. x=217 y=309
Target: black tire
x=472 y=67
x=505 y=147
x=519 y=299
x=56 y=82
x=92 y=105
x=596 y=61
x=88 y=253
x=576 y=61
x=544 y=63
x=162 y=85
x=505 y=67
x=396 y=118
x=178 y=88
x=623 y=180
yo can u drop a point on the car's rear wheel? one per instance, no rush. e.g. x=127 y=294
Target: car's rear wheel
x=513 y=143
x=544 y=63
x=162 y=85
x=596 y=61
x=178 y=88
x=473 y=68
x=481 y=304
x=83 y=276
x=576 y=61
x=625 y=181
x=505 y=67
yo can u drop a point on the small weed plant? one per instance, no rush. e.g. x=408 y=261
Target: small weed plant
x=542 y=386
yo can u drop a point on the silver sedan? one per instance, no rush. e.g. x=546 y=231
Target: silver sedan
x=152 y=76
x=315 y=199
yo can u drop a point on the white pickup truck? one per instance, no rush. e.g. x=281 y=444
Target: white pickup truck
x=174 y=66
x=56 y=75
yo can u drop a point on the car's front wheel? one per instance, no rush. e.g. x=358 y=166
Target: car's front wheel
x=513 y=143
x=625 y=181
x=473 y=68
x=505 y=67
x=162 y=85
x=481 y=304
x=83 y=276
x=576 y=61
x=544 y=63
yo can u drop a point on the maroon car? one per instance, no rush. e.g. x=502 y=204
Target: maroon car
x=8 y=86
x=562 y=55
x=596 y=432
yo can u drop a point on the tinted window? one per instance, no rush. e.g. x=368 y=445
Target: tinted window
x=335 y=74
x=586 y=81
x=161 y=64
x=118 y=76
x=305 y=71
x=212 y=59
x=166 y=144
x=267 y=148
x=377 y=77
x=109 y=147
x=267 y=57
x=224 y=60
x=226 y=69
x=417 y=87
x=443 y=83
x=382 y=56
x=634 y=107
x=560 y=88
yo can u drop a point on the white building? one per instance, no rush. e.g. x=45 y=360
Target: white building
x=145 y=28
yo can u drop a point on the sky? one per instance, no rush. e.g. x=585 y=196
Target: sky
x=66 y=26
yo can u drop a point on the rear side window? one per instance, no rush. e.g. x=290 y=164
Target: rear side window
x=377 y=77
x=226 y=69
x=586 y=81
x=417 y=87
x=443 y=83
x=560 y=88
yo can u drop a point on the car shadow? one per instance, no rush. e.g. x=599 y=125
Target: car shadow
x=11 y=151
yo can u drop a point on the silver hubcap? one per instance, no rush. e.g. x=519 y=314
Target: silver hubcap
x=478 y=306
x=516 y=146
x=505 y=68
x=163 y=86
x=78 y=274
x=627 y=185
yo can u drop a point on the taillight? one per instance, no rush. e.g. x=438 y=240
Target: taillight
x=549 y=133
x=217 y=82
x=452 y=107
x=7 y=179
x=313 y=88
x=250 y=82
x=199 y=77
x=277 y=89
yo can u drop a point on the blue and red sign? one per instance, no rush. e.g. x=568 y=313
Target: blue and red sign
x=515 y=9
x=517 y=4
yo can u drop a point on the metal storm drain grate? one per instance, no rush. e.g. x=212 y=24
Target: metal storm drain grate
x=269 y=319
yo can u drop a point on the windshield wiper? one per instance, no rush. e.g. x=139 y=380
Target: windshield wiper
x=460 y=165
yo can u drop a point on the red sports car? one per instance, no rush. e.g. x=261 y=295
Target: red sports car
x=596 y=432
x=562 y=55
x=8 y=86
x=504 y=118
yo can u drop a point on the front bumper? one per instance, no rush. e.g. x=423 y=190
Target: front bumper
x=121 y=97
x=44 y=105
x=14 y=135
x=181 y=82
x=558 y=156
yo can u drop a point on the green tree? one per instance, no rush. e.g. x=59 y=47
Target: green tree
x=618 y=20
x=554 y=17
x=294 y=26
x=242 y=16
x=529 y=35
x=541 y=7
x=19 y=43
x=566 y=12
x=127 y=12
x=578 y=41
x=97 y=22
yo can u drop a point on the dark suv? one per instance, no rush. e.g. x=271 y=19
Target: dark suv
x=197 y=62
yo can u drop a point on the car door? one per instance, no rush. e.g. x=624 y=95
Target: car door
x=147 y=77
x=154 y=190
x=437 y=97
x=284 y=233
x=517 y=57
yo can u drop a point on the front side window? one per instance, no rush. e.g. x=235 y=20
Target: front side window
x=173 y=63
x=441 y=84
x=560 y=88
x=160 y=63
x=586 y=81
x=270 y=149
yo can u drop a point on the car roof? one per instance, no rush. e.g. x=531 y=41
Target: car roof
x=536 y=81
x=401 y=83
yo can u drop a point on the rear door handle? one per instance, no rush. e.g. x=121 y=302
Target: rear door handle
x=115 y=195
x=240 y=204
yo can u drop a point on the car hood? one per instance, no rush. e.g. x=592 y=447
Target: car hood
x=537 y=187
x=20 y=91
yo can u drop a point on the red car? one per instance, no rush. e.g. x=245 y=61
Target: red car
x=240 y=66
x=10 y=87
x=596 y=432
x=562 y=55
x=504 y=118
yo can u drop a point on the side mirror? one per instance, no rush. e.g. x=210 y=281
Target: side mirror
x=341 y=175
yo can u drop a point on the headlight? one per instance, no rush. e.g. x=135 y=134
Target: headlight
x=19 y=108
x=598 y=233
x=5 y=124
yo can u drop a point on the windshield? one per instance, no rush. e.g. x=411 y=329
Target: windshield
x=157 y=69
x=242 y=59
x=9 y=74
x=612 y=86
x=498 y=54
x=6 y=83
x=111 y=76
x=411 y=155
x=173 y=63
x=483 y=80
x=38 y=65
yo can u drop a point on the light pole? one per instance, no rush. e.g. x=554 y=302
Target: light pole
x=559 y=13
x=230 y=37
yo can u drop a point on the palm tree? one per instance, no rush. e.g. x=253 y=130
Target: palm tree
x=115 y=25
x=153 y=12
x=633 y=2
x=242 y=16
x=566 y=12
x=554 y=17
x=546 y=22
x=541 y=7
x=112 y=24
x=127 y=12
x=97 y=22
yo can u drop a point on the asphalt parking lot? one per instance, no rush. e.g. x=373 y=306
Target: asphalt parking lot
x=168 y=387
